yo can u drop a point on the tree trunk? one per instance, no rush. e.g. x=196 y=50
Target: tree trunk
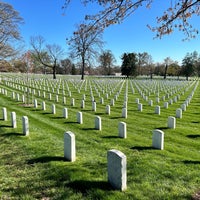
x=165 y=75
x=54 y=69
x=83 y=68
x=54 y=72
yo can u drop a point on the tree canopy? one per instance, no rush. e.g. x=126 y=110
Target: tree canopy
x=84 y=44
x=176 y=15
x=129 y=64
x=9 y=29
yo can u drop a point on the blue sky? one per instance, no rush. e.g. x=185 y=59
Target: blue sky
x=45 y=18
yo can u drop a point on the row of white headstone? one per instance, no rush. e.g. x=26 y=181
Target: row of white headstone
x=25 y=121
x=116 y=160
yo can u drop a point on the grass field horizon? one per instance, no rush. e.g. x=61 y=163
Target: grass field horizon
x=34 y=167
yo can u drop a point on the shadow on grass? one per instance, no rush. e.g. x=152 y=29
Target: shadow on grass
x=191 y=162
x=111 y=137
x=195 y=122
x=99 y=113
x=56 y=117
x=5 y=126
x=116 y=117
x=193 y=136
x=84 y=186
x=46 y=113
x=88 y=129
x=12 y=134
x=45 y=159
x=142 y=148
x=71 y=122
x=162 y=128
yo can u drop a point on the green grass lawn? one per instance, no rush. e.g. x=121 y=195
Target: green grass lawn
x=34 y=167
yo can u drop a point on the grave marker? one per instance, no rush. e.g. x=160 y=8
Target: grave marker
x=25 y=125
x=117 y=172
x=158 y=139
x=179 y=113
x=122 y=129
x=5 y=117
x=171 y=122
x=65 y=113
x=79 y=117
x=13 y=120
x=98 y=123
x=69 y=146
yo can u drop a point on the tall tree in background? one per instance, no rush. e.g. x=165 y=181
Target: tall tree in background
x=67 y=66
x=129 y=64
x=84 y=44
x=144 y=59
x=106 y=60
x=175 y=17
x=9 y=30
x=46 y=54
x=188 y=64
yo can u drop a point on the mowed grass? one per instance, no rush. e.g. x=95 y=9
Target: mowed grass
x=34 y=167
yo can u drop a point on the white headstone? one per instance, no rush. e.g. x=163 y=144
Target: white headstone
x=69 y=146
x=157 y=110
x=5 y=117
x=82 y=103
x=25 y=125
x=64 y=100
x=35 y=103
x=94 y=106
x=125 y=104
x=117 y=172
x=158 y=139
x=53 y=107
x=57 y=98
x=108 y=109
x=65 y=113
x=183 y=107
x=43 y=105
x=137 y=100
x=140 y=107
x=124 y=112
x=13 y=120
x=79 y=117
x=171 y=122
x=112 y=102
x=98 y=123
x=179 y=113
x=150 y=102
x=122 y=129
x=72 y=102
x=157 y=99
x=101 y=100
x=166 y=104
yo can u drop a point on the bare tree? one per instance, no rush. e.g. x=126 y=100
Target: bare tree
x=176 y=15
x=84 y=44
x=46 y=54
x=9 y=29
